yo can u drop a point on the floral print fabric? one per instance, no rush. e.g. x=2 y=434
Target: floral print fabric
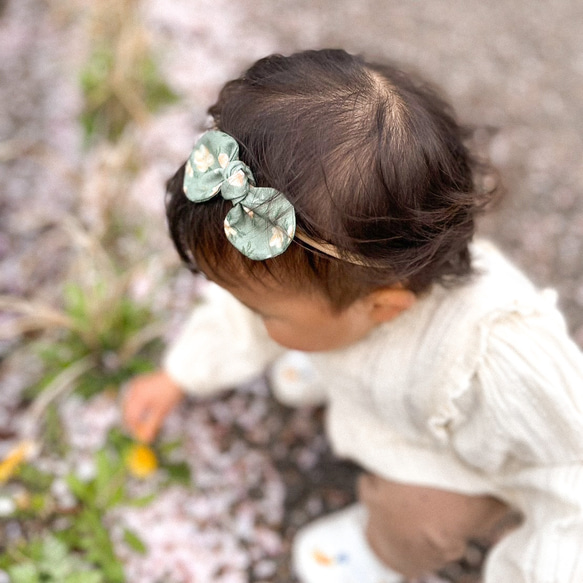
x=262 y=222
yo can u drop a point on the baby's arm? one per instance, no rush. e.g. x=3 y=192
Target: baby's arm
x=222 y=345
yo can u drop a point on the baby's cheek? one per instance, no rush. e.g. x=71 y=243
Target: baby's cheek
x=276 y=332
x=293 y=338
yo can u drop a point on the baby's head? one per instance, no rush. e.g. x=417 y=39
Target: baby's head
x=373 y=163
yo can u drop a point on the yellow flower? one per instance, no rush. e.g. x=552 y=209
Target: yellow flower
x=141 y=461
x=15 y=457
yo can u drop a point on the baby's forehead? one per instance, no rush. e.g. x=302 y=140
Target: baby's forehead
x=240 y=274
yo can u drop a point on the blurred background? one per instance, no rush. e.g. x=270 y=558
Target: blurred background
x=100 y=101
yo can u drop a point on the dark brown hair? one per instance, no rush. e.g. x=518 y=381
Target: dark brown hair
x=372 y=160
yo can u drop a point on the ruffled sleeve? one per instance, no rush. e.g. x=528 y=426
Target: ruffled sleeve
x=222 y=345
x=523 y=426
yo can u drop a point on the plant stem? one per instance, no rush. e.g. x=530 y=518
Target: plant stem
x=60 y=385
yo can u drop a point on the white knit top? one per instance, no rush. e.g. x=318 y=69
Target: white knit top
x=475 y=389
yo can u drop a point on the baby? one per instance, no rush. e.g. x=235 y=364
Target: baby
x=333 y=207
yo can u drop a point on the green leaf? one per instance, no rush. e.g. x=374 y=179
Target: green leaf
x=84 y=577
x=110 y=479
x=53 y=432
x=141 y=502
x=56 y=563
x=83 y=491
x=165 y=449
x=158 y=93
x=132 y=539
x=24 y=573
x=78 y=306
x=106 y=468
x=34 y=479
x=119 y=440
x=54 y=550
x=94 y=539
x=179 y=472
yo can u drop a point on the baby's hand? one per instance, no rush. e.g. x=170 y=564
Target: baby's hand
x=148 y=401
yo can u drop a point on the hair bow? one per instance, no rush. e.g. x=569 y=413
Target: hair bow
x=262 y=222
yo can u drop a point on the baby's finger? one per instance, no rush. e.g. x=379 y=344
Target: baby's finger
x=146 y=429
x=134 y=417
x=137 y=406
x=129 y=407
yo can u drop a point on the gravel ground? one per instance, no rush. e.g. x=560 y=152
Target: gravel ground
x=512 y=68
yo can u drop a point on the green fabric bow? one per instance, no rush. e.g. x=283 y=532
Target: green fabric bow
x=262 y=222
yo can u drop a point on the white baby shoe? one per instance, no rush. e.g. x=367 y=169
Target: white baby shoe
x=333 y=549
x=295 y=382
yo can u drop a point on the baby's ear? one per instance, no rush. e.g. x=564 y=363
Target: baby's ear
x=388 y=302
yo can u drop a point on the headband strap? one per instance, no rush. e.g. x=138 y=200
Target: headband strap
x=333 y=251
